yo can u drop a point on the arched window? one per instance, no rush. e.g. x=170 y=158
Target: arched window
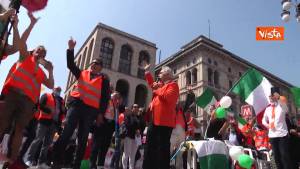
x=188 y=78
x=194 y=75
x=140 y=95
x=125 y=59
x=106 y=52
x=209 y=75
x=122 y=87
x=216 y=78
x=144 y=59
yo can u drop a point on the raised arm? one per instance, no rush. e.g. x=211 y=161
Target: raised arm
x=49 y=82
x=70 y=59
x=22 y=43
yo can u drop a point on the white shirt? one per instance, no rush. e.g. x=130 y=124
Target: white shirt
x=280 y=129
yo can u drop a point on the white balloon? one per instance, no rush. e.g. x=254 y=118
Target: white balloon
x=235 y=152
x=225 y=102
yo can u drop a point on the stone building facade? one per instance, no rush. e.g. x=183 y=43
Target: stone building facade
x=123 y=56
x=204 y=63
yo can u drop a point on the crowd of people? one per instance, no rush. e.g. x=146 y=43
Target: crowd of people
x=48 y=132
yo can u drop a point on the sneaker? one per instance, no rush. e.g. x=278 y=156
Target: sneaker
x=29 y=163
x=43 y=166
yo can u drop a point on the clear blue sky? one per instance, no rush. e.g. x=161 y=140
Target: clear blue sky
x=170 y=24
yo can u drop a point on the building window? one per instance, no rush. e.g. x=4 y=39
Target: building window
x=194 y=75
x=144 y=59
x=216 y=78
x=209 y=75
x=229 y=70
x=194 y=61
x=240 y=74
x=215 y=63
x=209 y=61
x=188 y=78
x=106 y=52
x=230 y=84
x=187 y=64
x=174 y=71
x=125 y=59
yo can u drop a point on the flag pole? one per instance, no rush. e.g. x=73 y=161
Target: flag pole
x=16 y=4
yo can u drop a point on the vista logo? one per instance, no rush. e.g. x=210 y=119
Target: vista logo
x=270 y=33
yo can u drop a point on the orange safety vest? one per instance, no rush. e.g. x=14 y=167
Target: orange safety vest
x=261 y=139
x=51 y=105
x=27 y=77
x=89 y=91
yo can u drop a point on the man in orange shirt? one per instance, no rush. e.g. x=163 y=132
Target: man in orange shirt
x=163 y=111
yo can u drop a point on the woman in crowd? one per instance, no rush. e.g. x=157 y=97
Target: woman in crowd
x=134 y=128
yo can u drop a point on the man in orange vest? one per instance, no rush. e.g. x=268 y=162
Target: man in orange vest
x=22 y=87
x=163 y=111
x=50 y=109
x=87 y=102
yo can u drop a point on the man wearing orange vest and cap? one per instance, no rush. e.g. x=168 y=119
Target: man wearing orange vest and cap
x=51 y=108
x=22 y=87
x=87 y=102
x=274 y=120
x=163 y=111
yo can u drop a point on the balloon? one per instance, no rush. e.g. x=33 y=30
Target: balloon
x=226 y=102
x=85 y=164
x=245 y=161
x=220 y=113
x=235 y=152
x=34 y=5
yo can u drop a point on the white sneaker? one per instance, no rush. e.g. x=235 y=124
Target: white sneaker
x=29 y=163
x=43 y=166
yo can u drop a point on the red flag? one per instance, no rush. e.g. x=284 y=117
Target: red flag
x=34 y=5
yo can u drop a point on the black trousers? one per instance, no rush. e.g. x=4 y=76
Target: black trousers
x=280 y=147
x=101 y=140
x=29 y=132
x=157 y=148
x=78 y=114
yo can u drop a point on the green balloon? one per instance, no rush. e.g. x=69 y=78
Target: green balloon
x=85 y=164
x=220 y=113
x=245 y=161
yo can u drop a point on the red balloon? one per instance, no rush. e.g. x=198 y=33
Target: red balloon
x=34 y=5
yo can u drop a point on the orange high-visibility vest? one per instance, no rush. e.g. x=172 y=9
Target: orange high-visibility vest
x=27 y=77
x=89 y=91
x=49 y=104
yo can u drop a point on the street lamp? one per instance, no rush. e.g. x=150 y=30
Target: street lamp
x=285 y=15
x=286 y=6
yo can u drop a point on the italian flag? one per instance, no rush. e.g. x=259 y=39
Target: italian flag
x=206 y=99
x=254 y=89
x=212 y=154
x=296 y=95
